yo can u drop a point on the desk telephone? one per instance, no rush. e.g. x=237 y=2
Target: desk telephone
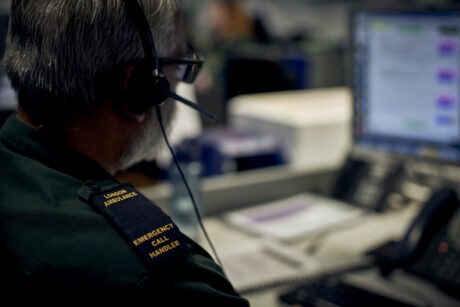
x=431 y=246
x=367 y=182
x=430 y=249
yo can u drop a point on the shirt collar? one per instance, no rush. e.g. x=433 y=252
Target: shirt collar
x=27 y=141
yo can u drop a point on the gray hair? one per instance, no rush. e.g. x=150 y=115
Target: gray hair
x=63 y=56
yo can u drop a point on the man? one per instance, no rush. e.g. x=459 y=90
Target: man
x=62 y=237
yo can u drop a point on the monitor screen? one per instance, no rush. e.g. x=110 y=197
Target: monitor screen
x=406 y=82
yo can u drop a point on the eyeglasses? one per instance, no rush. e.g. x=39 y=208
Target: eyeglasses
x=188 y=67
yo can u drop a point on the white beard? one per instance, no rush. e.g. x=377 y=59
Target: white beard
x=146 y=145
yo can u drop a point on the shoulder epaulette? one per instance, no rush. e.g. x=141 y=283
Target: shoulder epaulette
x=149 y=231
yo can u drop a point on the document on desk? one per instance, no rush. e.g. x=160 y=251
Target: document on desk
x=294 y=217
x=265 y=263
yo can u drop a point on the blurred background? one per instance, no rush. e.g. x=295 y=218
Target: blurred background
x=249 y=46
x=255 y=46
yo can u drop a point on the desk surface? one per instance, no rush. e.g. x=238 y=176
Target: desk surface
x=337 y=249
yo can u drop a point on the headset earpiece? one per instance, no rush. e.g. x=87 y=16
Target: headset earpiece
x=144 y=90
x=147 y=86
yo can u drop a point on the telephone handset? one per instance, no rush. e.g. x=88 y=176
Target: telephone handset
x=434 y=215
x=431 y=246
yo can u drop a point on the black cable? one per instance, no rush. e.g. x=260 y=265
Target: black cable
x=195 y=207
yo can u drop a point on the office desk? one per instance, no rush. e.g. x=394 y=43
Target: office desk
x=340 y=248
x=337 y=249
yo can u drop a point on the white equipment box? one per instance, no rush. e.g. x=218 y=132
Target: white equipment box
x=315 y=125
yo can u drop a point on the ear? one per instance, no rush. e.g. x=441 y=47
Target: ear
x=124 y=102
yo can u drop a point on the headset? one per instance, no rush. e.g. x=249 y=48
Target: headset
x=149 y=87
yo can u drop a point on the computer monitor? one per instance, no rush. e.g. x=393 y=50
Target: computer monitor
x=406 y=70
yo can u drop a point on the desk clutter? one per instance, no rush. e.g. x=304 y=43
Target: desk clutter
x=265 y=263
x=414 y=267
x=295 y=217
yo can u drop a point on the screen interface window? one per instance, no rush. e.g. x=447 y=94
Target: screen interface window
x=406 y=70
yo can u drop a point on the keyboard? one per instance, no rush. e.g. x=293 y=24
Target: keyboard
x=334 y=291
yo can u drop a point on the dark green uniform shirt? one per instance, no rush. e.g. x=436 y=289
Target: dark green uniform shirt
x=56 y=248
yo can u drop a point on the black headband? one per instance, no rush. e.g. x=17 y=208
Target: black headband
x=136 y=14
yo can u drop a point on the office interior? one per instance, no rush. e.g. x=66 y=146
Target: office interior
x=300 y=190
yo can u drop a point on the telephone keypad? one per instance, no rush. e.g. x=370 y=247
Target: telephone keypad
x=367 y=193
x=446 y=266
x=442 y=264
